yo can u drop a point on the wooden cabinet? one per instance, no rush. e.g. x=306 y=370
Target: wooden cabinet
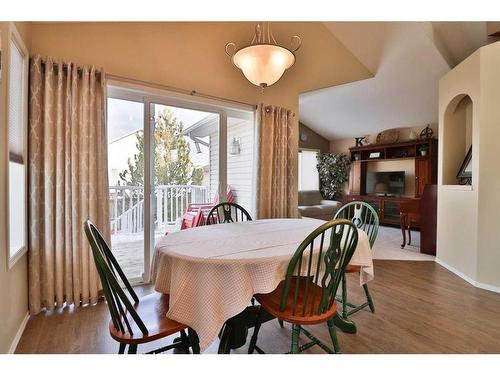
x=426 y=170
x=388 y=208
x=391 y=209
x=428 y=227
x=395 y=151
x=422 y=175
x=357 y=177
x=425 y=165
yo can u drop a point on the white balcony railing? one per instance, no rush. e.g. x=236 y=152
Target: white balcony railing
x=127 y=205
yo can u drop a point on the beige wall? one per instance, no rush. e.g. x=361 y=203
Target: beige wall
x=488 y=236
x=13 y=282
x=314 y=140
x=341 y=145
x=457 y=206
x=468 y=217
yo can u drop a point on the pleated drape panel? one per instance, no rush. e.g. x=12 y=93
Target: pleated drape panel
x=278 y=147
x=68 y=181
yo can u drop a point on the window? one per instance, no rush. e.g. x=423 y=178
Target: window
x=308 y=173
x=17 y=63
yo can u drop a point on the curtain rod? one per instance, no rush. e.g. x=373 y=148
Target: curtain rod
x=177 y=89
x=79 y=68
x=159 y=86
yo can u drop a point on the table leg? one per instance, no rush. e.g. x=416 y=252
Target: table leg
x=234 y=333
x=345 y=325
x=225 y=339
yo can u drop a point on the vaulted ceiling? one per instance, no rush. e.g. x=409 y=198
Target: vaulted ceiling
x=407 y=59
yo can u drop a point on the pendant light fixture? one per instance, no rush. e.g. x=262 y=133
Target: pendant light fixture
x=263 y=62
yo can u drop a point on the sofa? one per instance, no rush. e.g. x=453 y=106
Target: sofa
x=312 y=204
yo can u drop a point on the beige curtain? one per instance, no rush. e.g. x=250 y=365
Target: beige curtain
x=278 y=147
x=68 y=181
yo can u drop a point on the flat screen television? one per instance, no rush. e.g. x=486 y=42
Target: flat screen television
x=389 y=184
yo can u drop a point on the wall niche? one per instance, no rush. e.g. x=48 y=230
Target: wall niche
x=457 y=137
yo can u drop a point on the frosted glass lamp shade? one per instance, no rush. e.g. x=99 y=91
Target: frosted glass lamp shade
x=263 y=64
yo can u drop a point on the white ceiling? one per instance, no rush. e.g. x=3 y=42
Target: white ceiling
x=407 y=60
x=457 y=40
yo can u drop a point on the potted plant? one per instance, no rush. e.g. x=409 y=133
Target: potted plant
x=423 y=150
x=333 y=172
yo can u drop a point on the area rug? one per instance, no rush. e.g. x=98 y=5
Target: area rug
x=388 y=246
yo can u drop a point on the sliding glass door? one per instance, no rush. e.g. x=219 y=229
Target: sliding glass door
x=185 y=164
x=126 y=155
x=240 y=171
x=165 y=157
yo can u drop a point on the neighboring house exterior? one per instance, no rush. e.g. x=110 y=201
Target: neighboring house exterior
x=120 y=150
x=240 y=165
x=123 y=148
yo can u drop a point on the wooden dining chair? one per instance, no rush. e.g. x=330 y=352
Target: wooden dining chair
x=227 y=212
x=138 y=321
x=307 y=294
x=364 y=216
x=409 y=217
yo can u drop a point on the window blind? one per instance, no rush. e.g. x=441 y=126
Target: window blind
x=16 y=113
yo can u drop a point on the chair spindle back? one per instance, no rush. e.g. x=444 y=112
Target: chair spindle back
x=227 y=212
x=317 y=267
x=108 y=268
x=363 y=215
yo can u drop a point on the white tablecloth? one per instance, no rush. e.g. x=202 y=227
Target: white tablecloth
x=212 y=272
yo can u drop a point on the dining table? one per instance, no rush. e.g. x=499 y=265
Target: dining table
x=212 y=272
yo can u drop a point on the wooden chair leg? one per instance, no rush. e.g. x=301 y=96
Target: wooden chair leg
x=132 y=349
x=409 y=235
x=333 y=335
x=295 y=338
x=122 y=348
x=369 y=298
x=344 y=296
x=403 y=231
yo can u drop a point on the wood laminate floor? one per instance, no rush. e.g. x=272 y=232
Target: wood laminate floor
x=420 y=308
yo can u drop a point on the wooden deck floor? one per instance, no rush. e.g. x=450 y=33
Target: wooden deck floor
x=420 y=308
x=130 y=255
x=129 y=250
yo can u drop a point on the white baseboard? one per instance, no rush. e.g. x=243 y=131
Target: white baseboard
x=19 y=333
x=477 y=284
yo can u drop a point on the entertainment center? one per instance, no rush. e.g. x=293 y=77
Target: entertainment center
x=386 y=199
